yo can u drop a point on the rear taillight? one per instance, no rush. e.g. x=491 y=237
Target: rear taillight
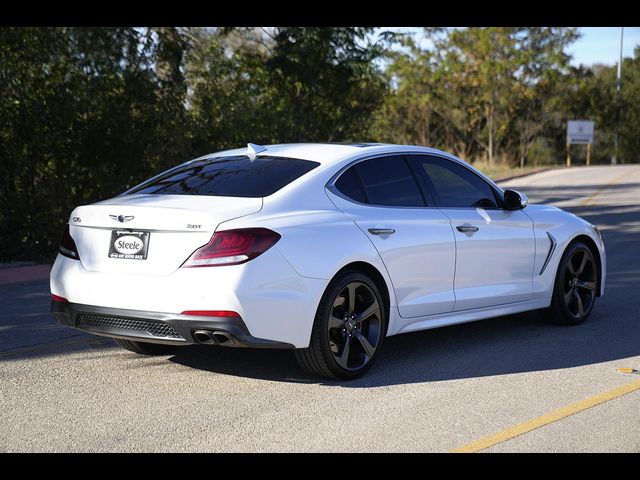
x=59 y=299
x=232 y=247
x=68 y=246
x=211 y=313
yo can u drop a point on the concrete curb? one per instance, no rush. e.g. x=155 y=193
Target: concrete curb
x=26 y=274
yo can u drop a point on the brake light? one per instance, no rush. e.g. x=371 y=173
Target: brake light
x=232 y=247
x=68 y=246
x=59 y=299
x=211 y=313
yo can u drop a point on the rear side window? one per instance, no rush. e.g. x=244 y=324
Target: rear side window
x=349 y=185
x=235 y=176
x=389 y=181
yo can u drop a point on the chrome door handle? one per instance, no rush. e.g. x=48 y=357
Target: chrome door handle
x=381 y=231
x=466 y=228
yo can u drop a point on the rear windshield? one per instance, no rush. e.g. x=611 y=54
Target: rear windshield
x=235 y=176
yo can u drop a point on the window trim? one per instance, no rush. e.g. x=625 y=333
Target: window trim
x=497 y=193
x=408 y=155
x=330 y=185
x=424 y=185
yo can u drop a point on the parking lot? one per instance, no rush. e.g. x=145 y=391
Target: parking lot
x=495 y=385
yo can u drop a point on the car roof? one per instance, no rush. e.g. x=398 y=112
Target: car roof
x=325 y=153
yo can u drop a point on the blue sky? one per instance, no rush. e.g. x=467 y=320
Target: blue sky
x=596 y=45
x=602 y=45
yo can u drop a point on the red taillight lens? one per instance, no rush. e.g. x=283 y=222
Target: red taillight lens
x=59 y=299
x=68 y=246
x=232 y=247
x=211 y=313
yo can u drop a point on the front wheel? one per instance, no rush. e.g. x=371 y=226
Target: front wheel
x=574 y=292
x=348 y=330
x=144 y=348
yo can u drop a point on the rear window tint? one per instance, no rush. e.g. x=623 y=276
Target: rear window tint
x=388 y=181
x=349 y=185
x=235 y=176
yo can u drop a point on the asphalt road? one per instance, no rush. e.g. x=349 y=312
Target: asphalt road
x=61 y=390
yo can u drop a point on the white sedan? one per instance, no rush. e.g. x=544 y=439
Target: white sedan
x=325 y=249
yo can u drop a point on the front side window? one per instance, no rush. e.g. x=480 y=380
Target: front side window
x=386 y=181
x=455 y=185
x=233 y=176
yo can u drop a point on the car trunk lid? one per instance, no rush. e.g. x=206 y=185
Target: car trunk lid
x=150 y=234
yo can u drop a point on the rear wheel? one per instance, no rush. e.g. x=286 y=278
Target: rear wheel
x=574 y=292
x=145 y=348
x=348 y=329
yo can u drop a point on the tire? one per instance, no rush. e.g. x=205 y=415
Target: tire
x=343 y=326
x=144 y=348
x=565 y=308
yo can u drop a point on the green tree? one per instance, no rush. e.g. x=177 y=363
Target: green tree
x=590 y=93
x=84 y=115
x=327 y=83
x=87 y=112
x=284 y=84
x=630 y=113
x=466 y=89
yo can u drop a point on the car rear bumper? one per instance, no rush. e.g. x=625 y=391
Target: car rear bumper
x=156 y=327
x=274 y=302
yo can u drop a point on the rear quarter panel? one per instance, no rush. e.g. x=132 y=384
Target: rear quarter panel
x=317 y=239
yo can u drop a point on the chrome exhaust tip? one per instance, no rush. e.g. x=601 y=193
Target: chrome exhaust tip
x=223 y=338
x=204 y=337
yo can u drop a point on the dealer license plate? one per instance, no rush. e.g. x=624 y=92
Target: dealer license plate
x=129 y=244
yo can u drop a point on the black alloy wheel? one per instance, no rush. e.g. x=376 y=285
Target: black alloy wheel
x=579 y=286
x=575 y=287
x=348 y=330
x=354 y=326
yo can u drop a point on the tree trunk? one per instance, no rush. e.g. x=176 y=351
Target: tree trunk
x=490 y=121
x=523 y=146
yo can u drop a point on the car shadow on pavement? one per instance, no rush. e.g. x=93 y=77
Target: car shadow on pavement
x=505 y=345
x=499 y=346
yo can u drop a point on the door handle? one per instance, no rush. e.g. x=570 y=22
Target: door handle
x=466 y=228
x=381 y=231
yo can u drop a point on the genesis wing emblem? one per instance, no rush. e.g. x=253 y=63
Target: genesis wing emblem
x=122 y=218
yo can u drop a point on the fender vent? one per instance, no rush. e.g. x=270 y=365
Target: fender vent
x=552 y=248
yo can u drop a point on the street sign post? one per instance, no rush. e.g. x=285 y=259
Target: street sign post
x=579 y=132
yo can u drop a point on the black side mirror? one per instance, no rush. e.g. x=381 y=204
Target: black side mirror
x=514 y=200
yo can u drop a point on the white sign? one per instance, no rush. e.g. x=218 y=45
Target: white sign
x=580 y=131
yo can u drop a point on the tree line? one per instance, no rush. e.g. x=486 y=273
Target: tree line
x=86 y=113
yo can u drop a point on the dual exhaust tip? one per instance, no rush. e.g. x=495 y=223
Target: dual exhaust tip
x=210 y=337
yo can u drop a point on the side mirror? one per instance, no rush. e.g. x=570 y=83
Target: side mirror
x=514 y=200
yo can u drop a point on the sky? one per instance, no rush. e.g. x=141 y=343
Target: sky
x=596 y=44
x=602 y=45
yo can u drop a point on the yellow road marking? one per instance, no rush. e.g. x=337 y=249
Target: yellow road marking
x=590 y=198
x=628 y=370
x=547 y=418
